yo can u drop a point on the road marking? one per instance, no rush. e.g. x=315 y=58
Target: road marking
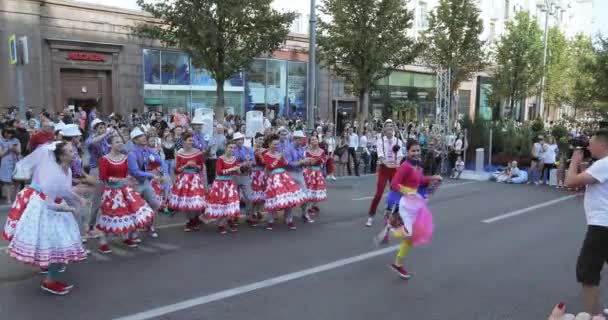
x=120 y=252
x=447 y=186
x=146 y=249
x=99 y=256
x=186 y=304
x=528 y=209
x=164 y=246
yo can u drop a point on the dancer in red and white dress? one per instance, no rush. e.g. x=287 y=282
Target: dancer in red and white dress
x=223 y=200
x=258 y=177
x=123 y=210
x=46 y=233
x=188 y=190
x=313 y=174
x=282 y=193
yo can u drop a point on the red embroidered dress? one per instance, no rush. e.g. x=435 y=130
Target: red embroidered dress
x=122 y=208
x=258 y=178
x=281 y=192
x=155 y=165
x=313 y=176
x=223 y=199
x=16 y=211
x=188 y=190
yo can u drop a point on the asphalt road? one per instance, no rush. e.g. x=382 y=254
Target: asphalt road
x=498 y=252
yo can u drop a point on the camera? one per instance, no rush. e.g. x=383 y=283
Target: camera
x=580 y=143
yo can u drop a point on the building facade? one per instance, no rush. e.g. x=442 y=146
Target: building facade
x=86 y=55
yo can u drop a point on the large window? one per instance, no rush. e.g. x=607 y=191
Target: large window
x=296 y=92
x=151 y=66
x=175 y=68
x=171 y=82
x=255 y=88
x=464 y=102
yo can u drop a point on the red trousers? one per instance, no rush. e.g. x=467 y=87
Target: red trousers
x=384 y=175
x=330 y=164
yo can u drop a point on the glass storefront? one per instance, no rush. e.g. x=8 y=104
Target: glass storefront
x=172 y=82
x=405 y=91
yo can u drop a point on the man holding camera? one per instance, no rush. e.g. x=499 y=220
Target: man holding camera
x=594 y=252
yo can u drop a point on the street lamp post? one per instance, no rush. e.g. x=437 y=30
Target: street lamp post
x=312 y=66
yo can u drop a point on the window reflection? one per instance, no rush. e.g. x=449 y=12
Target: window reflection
x=175 y=68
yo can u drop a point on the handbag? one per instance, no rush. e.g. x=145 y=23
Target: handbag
x=21 y=172
x=339 y=151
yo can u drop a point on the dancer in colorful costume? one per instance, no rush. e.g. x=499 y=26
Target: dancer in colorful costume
x=313 y=174
x=188 y=190
x=282 y=193
x=296 y=158
x=258 y=177
x=390 y=154
x=413 y=224
x=223 y=201
x=47 y=234
x=139 y=161
x=123 y=210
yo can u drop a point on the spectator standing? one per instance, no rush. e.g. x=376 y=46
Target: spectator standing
x=537 y=155
x=40 y=137
x=363 y=149
x=549 y=159
x=10 y=152
x=353 y=145
x=593 y=254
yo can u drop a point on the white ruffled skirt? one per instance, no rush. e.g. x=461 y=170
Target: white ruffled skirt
x=44 y=236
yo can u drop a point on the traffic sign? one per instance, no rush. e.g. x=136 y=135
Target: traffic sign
x=12 y=45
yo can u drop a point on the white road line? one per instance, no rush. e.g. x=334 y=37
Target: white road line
x=99 y=256
x=120 y=252
x=447 y=186
x=528 y=209
x=186 y=304
x=164 y=246
x=146 y=249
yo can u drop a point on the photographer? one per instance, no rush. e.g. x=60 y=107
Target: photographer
x=594 y=252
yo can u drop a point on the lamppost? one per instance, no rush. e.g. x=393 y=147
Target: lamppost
x=312 y=66
x=550 y=8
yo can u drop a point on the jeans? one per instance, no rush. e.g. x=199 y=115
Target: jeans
x=373 y=162
x=367 y=159
x=352 y=156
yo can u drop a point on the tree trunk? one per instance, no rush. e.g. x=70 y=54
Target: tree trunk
x=512 y=106
x=218 y=109
x=363 y=113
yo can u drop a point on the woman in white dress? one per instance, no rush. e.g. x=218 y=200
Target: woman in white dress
x=47 y=234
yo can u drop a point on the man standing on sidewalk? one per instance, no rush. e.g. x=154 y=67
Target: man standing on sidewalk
x=390 y=154
x=353 y=145
x=594 y=252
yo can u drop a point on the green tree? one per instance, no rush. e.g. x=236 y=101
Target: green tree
x=599 y=69
x=582 y=92
x=559 y=62
x=452 y=40
x=364 y=40
x=222 y=36
x=519 y=58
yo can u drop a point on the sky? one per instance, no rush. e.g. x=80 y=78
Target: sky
x=600 y=22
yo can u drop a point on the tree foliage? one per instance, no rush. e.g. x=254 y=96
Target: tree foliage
x=222 y=36
x=519 y=58
x=582 y=90
x=559 y=62
x=452 y=39
x=364 y=40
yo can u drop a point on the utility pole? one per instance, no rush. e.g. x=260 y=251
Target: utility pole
x=549 y=5
x=312 y=67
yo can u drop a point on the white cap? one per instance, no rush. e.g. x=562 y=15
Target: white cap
x=136 y=133
x=197 y=120
x=96 y=122
x=237 y=136
x=71 y=130
x=388 y=121
x=298 y=134
x=59 y=126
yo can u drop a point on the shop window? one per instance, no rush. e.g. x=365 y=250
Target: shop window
x=296 y=91
x=177 y=99
x=175 y=68
x=255 y=86
x=276 y=86
x=423 y=80
x=233 y=101
x=464 y=101
x=151 y=66
x=202 y=77
x=400 y=78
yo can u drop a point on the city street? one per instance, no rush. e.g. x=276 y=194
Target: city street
x=498 y=252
